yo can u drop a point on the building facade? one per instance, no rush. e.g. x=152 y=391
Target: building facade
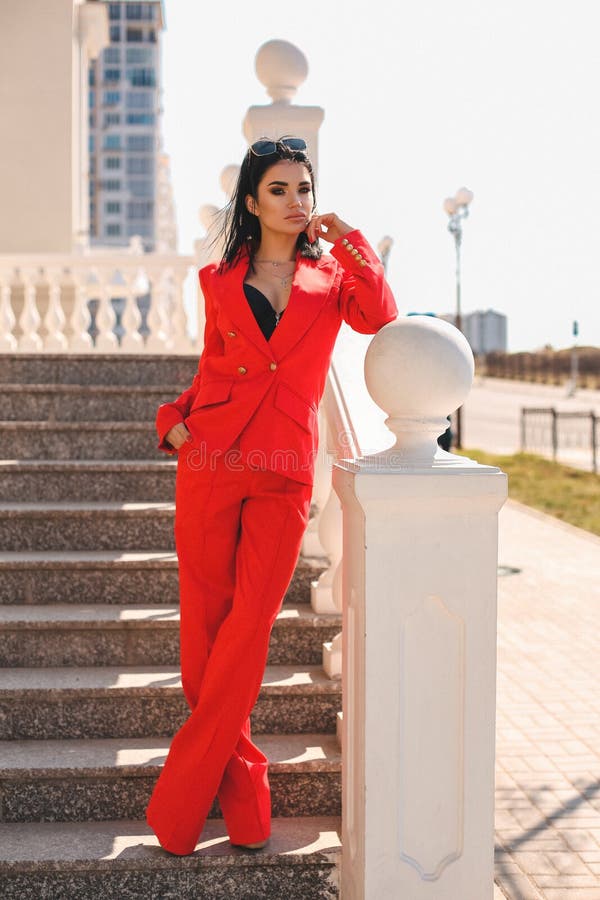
x=124 y=131
x=485 y=330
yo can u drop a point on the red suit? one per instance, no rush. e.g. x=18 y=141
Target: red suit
x=242 y=501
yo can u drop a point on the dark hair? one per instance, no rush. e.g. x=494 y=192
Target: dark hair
x=240 y=227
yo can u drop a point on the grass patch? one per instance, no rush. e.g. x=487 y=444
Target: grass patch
x=569 y=494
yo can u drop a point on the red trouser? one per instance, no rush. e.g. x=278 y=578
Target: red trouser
x=238 y=532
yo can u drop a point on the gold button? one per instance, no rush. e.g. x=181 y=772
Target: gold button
x=231 y=334
x=359 y=256
x=363 y=262
x=349 y=246
x=354 y=251
x=273 y=366
x=344 y=241
x=242 y=370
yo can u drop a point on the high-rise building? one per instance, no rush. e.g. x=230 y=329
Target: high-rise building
x=124 y=129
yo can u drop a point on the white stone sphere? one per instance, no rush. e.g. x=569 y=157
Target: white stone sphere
x=419 y=367
x=282 y=68
x=228 y=179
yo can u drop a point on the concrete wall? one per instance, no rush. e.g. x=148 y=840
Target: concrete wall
x=36 y=102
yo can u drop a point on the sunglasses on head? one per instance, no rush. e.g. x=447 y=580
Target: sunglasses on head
x=265 y=146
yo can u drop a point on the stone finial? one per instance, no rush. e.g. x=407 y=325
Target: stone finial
x=282 y=68
x=418 y=369
x=206 y=215
x=228 y=179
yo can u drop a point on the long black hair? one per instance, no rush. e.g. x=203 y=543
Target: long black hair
x=240 y=228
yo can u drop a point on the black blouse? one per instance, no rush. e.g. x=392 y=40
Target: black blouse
x=265 y=315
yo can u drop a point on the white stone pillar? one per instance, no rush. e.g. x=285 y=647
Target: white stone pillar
x=419 y=631
x=282 y=68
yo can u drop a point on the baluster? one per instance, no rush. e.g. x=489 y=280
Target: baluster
x=332 y=650
x=80 y=320
x=106 y=339
x=29 y=320
x=158 y=314
x=8 y=342
x=132 y=341
x=330 y=535
x=179 y=321
x=311 y=545
x=332 y=656
x=54 y=320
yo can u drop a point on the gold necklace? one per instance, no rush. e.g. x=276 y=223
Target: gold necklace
x=276 y=262
x=284 y=280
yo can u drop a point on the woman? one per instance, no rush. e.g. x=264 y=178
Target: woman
x=246 y=436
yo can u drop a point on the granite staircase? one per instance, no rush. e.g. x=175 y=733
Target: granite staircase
x=89 y=682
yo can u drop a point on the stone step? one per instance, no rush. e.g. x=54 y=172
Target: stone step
x=85 y=780
x=132 y=701
x=84 y=403
x=78 y=440
x=59 y=480
x=86 y=526
x=97 y=368
x=121 y=860
x=110 y=635
x=111 y=576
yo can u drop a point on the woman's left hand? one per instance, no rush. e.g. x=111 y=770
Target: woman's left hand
x=328 y=226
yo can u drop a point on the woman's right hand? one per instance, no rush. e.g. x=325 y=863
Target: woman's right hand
x=178 y=435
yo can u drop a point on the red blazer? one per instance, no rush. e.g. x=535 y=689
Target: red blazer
x=268 y=392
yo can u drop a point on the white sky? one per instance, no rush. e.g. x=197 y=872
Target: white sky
x=420 y=98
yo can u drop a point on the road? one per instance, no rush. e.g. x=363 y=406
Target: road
x=492 y=416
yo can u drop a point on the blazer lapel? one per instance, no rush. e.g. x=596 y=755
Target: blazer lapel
x=310 y=289
x=234 y=302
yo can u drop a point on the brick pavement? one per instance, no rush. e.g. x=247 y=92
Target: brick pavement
x=548 y=719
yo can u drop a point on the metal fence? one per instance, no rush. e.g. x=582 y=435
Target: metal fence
x=546 y=429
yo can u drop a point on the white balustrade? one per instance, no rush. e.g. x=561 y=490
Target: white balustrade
x=343 y=441
x=80 y=339
x=311 y=545
x=131 y=319
x=54 y=320
x=60 y=287
x=29 y=320
x=330 y=535
x=419 y=634
x=181 y=342
x=159 y=321
x=106 y=319
x=8 y=342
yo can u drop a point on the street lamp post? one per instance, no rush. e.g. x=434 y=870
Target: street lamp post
x=457 y=208
x=572 y=386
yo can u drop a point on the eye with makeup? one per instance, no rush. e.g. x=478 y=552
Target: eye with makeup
x=279 y=191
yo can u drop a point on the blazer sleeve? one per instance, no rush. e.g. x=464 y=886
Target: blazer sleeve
x=366 y=300
x=169 y=414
